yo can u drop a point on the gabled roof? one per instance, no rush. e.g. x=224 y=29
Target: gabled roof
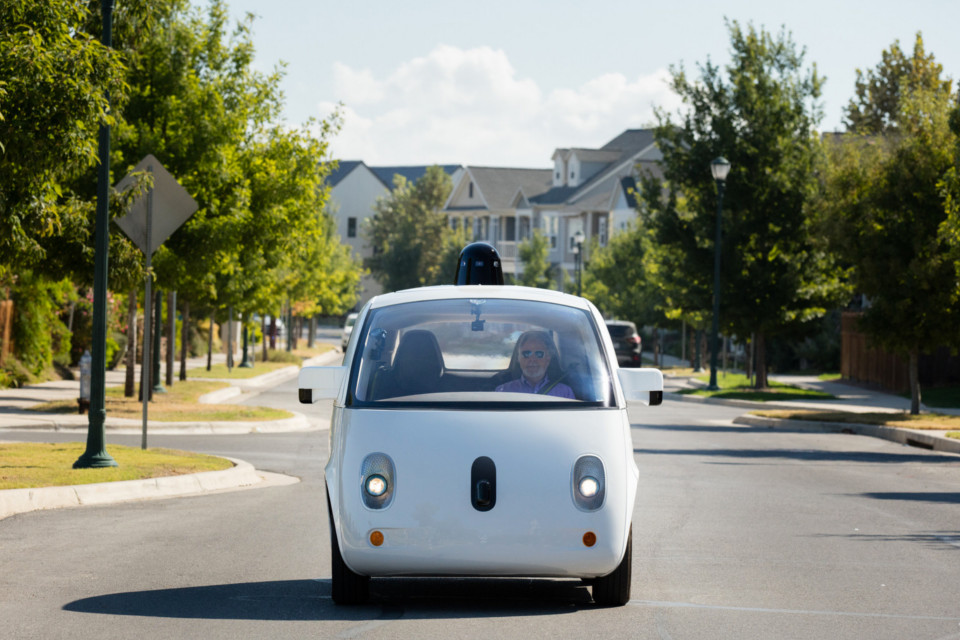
x=343 y=169
x=411 y=173
x=499 y=187
x=621 y=153
x=597 y=155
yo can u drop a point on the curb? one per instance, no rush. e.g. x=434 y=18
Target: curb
x=241 y=475
x=911 y=437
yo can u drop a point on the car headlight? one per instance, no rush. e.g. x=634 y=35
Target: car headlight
x=588 y=487
x=588 y=483
x=378 y=480
x=376 y=485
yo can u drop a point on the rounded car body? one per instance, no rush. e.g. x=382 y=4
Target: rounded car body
x=444 y=463
x=347 y=328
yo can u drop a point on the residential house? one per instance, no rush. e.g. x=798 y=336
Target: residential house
x=588 y=190
x=354 y=189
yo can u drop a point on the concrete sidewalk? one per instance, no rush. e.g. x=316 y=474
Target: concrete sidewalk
x=850 y=397
x=16 y=412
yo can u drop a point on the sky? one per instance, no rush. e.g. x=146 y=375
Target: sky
x=505 y=83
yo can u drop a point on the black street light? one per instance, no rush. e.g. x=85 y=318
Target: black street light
x=719 y=168
x=96 y=455
x=578 y=259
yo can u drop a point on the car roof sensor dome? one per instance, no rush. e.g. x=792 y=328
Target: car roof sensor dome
x=479 y=264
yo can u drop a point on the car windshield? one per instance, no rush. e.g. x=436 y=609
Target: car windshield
x=513 y=352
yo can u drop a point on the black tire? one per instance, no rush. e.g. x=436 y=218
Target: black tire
x=348 y=588
x=613 y=589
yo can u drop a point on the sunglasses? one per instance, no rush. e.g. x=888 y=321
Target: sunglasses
x=526 y=353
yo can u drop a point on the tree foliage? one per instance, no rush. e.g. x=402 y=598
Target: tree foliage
x=876 y=107
x=885 y=211
x=760 y=114
x=409 y=235
x=534 y=254
x=54 y=79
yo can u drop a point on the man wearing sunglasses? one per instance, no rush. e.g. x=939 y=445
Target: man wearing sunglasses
x=535 y=353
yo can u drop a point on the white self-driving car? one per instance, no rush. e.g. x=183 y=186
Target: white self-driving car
x=481 y=431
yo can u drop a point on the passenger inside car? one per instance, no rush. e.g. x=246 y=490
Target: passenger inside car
x=539 y=367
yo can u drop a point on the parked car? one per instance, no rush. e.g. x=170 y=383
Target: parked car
x=440 y=466
x=347 y=329
x=626 y=342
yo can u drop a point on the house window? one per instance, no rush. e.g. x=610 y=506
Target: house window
x=351 y=227
x=471 y=189
x=510 y=231
x=454 y=223
x=602 y=231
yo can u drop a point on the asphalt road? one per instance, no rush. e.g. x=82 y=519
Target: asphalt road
x=739 y=532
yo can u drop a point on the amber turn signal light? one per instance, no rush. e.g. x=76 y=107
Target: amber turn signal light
x=376 y=538
x=589 y=538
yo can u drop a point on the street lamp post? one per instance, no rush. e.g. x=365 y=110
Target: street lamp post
x=96 y=455
x=578 y=259
x=719 y=168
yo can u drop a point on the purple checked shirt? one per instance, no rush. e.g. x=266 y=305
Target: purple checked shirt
x=520 y=385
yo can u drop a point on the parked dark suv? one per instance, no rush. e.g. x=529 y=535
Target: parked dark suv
x=626 y=341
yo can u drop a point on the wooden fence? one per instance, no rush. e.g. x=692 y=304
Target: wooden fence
x=6 y=329
x=861 y=362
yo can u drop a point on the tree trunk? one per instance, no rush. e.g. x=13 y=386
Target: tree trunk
x=129 y=382
x=683 y=342
x=210 y=341
x=184 y=339
x=697 y=353
x=914 y=381
x=263 y=333
x=171 y=334
x=748 y=355
x=761 y=361
x=311 y=338
x=273 y=332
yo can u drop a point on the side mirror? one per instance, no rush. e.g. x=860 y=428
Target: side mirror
x=320 y=383
x=642 y=385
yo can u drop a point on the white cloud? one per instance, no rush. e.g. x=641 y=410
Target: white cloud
x=469 y=106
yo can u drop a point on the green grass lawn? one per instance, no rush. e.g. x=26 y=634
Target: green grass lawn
x=178 y=404
x=28 y=465
x=736 y=386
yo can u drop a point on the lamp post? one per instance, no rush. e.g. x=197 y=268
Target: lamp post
x=95 y=455
x=578 y=258
x=719 y=168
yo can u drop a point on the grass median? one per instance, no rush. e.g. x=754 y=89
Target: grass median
x=736 y=386
x=178 y=404
x=31 y=465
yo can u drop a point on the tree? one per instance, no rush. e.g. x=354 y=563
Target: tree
x=885 y=211
x=54 y=80
x=876 y=107
x=409 y=233
x=760 y=115
x=533 y=253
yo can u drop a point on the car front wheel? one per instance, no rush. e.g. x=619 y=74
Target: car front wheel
x=347 y=587
x=613 y=589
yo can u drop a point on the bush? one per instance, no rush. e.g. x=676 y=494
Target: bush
x=14 y=374
x=280 y=355
x=38 y=333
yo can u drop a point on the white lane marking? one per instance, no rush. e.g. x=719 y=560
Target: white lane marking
x=851 y=614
